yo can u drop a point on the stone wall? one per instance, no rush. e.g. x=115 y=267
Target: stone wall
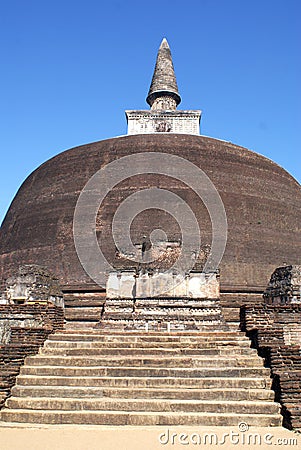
x=152 y=300
x=162 y=314
x=29 y=317
x=23 y=329
x=273 y=330
x=130 y=284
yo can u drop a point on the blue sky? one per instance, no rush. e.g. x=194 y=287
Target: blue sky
x=70 y=69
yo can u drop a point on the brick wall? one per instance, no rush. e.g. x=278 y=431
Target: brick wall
x=21 y=341
x=268 y=326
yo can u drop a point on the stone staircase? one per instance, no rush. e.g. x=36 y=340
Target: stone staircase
x=144 y=378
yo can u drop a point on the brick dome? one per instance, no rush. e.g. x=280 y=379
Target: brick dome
x=262 y=203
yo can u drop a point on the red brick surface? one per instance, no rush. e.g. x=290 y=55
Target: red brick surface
x=262 y=203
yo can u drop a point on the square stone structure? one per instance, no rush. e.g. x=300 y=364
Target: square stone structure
x=129 y=284
x=186 y=122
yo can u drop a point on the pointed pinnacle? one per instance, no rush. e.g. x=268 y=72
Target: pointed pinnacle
x=164 y=81
x=164 y=43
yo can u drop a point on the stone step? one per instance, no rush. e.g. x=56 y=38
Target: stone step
x=163 y=393
x=95 y=341
x=150 y=335
x=139 y=418
x=150 y=361
x=98 y=330
x=146 y=344
x=100 y=371
x=202 y=341
x=146 y=338
x=77 y=322
x=57 y=391
x=99 y=350
x=146 y=382
x=146 y=405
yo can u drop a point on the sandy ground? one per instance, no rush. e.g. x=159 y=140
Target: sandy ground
x=88 y=437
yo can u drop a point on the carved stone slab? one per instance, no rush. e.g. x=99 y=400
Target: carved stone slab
x=284 y=286
x=129 y=284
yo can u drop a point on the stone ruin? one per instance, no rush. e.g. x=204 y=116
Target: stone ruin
x=28 y=298
x=31 y=307
x=154 y=300
x=32 y=284
x=284 y=286
x=274 y=326
x=145 y=283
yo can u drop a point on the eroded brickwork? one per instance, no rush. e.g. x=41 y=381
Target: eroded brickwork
x=265 y=189
x=23 y=329
x=268 y=326
x=286 y=367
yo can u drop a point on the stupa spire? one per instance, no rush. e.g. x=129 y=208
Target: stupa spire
x=163 y=98
x=163 y=93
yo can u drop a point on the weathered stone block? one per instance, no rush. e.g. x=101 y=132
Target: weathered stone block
x=141 y=122
x=284 y=286
x=128 y=284
x=33 y=284
x=113 y=285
